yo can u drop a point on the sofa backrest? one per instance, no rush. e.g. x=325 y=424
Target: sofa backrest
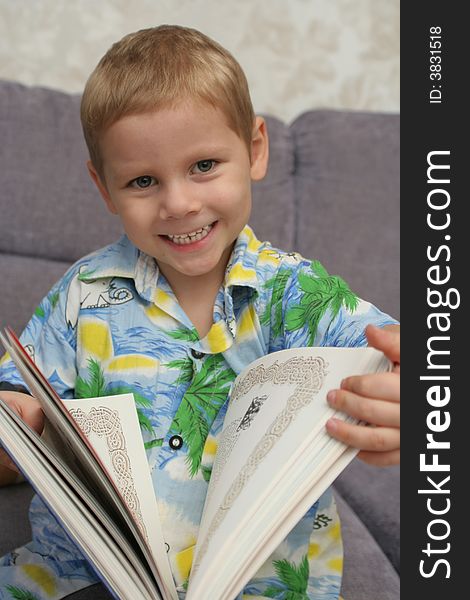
x=49 y=207
x=347 y=191
x=329 y=168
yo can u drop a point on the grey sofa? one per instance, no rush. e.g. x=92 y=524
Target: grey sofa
x=332 y=192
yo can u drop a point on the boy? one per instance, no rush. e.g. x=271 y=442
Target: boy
x=187 y=298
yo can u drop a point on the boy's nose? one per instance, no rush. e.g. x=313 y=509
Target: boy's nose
x=177 y=201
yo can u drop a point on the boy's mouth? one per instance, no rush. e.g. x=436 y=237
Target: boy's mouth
x=191 y=237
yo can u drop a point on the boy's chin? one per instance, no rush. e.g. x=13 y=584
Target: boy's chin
x=195 y=272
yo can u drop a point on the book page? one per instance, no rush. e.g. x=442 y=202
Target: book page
x=111 y=425
x=274 y=459
x=111 y=555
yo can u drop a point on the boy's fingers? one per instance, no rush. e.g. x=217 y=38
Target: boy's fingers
x=33 y=416
x=27 y=408
x=377 y=412
x=386 y=340
x=377 y=439
x=383 y=386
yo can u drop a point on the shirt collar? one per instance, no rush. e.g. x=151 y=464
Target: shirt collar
x=241 y=268
x=123 y=259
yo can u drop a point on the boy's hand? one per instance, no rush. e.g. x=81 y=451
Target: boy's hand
x=29 y=409
x=374 y=399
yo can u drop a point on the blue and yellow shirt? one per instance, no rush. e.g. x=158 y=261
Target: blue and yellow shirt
x=112 y=324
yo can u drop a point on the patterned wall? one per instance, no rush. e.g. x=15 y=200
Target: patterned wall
x=297 y=54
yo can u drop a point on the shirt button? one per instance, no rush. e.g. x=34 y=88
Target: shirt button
x=196 y=353
x=175 y=442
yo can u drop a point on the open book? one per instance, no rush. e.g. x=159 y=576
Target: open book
x=273 y=461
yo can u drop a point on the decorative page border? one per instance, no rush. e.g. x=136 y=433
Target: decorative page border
x=106 y=423
x=309 y=374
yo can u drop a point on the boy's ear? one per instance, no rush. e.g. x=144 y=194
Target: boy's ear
x=259 y=149
x=101 y=187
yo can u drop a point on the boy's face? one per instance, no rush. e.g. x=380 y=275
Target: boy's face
x=180 y=181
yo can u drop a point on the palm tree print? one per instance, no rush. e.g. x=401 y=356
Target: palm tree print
x=294 y=578
x=20 y=593
x=202 y=401
x=53 y=299
x=321 y=292
x=188 y=335
x=96 y=386
x=278 y=285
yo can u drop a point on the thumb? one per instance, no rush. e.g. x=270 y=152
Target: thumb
x=386 y=340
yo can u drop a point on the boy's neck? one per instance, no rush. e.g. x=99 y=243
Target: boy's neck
x=198 y=304
x=197 y=294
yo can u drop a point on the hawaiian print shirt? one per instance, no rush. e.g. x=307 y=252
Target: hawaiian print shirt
x=112 y=324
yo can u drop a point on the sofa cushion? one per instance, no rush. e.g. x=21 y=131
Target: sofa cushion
x=347 y=194
x=14 y=523
x=374 y=495
x=26 y=281
x=367 y=572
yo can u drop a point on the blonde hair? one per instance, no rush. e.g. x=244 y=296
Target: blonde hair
x=157 y=68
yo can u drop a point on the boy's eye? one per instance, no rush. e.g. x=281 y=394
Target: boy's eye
x=204 y=166
x=144 y=181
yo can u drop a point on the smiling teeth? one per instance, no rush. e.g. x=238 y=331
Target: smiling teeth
x=194 y=236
